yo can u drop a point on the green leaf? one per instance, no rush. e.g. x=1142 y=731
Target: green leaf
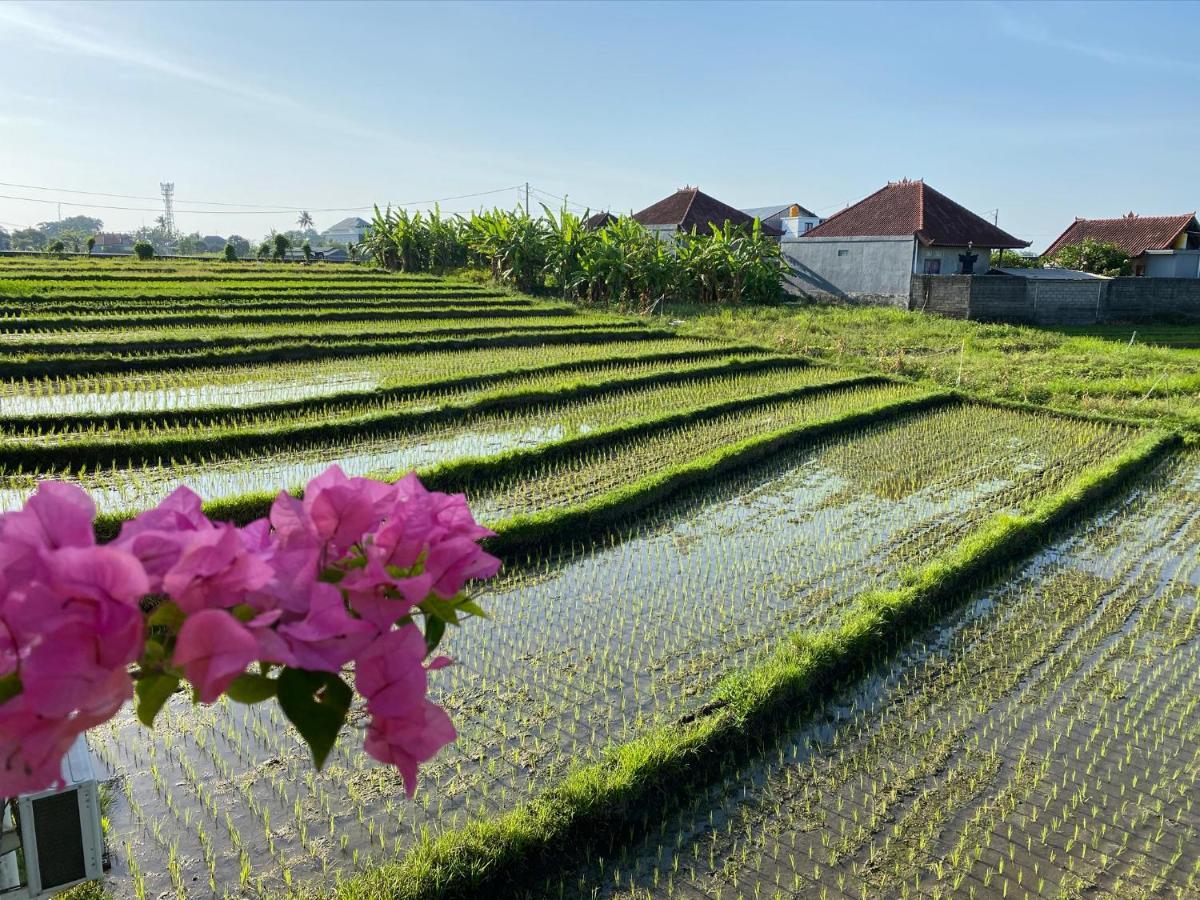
x=316 y=703
x=436 y=607
x=166 y=615
x=434 y=629
x=249 y=688
x=10 y=686
x=153 y=689
x=471 y=608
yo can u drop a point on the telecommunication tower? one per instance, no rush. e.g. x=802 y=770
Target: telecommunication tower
x=168 y=195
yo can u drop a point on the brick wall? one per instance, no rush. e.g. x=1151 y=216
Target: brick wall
x=944 y=295
x=1148 y=299
x=1054 y=301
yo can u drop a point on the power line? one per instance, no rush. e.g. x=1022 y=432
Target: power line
x=248 y=208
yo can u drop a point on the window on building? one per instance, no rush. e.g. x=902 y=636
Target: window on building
x=933 y=267
x=807 y=227
x=843 y=253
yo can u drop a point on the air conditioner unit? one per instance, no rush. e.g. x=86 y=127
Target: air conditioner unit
x=54 y=841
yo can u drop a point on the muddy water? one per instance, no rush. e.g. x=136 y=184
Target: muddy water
x=1040 y=743
x=575 y=656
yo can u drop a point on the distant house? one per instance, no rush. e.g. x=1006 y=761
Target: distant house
x=330 y=254
x=596 y=221
x=347 y=231
x=791 y=218
x=871 y=250
x=114 y=242
x=1159 y=246
x=690 y=208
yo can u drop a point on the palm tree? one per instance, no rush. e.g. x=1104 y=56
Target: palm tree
x=305 y=220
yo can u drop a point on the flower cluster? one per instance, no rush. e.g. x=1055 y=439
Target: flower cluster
x=346 y=575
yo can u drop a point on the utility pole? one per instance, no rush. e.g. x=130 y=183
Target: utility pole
x=527 y=198
x=996 y=218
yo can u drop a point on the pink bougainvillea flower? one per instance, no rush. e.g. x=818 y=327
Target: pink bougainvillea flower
x=452 y=563
x=326 y=637
x=32 y=748
x=78 y=630
x=213 y=649
x=56 y=515
x=215 y=570
x=380 y=597
x=409 y=739
x=343 y=509
x=157 y=536
x=391 y=674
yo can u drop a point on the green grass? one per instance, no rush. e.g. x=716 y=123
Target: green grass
x=1149 y=384
x=595 y=802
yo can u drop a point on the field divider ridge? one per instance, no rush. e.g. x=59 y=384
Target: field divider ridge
x=234 y=441
x=34 y=366
x=495 y=856
x=476 y=471
x=56 y=324
x=208 y=415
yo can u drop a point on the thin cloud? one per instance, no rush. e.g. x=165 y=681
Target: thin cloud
x=16 y=17
x=1024 y=28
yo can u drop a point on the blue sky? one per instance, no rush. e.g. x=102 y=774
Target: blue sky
x=1044 y=112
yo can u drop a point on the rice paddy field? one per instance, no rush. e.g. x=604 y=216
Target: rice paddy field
x=766 y=628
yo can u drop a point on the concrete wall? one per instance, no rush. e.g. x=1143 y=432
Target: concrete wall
x=949 y=257
x=1176 y=264
x=862 y=269
x=1047 y=301
x=1144 y=299
x=944 y=295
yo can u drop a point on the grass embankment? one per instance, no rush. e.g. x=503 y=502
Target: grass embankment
x=1054 y=369
x=33 y=367
x=594 y=803
x=233 y=441
x=215 y=319
x=476 y=472
x=695 y=358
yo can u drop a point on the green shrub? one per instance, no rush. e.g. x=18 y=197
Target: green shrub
x=143 y=250
x=231 y=254
x=57 y=247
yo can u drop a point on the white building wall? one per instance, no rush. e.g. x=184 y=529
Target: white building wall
x=949 y=259
x=1173 y=264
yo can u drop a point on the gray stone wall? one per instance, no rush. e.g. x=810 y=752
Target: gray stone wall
x=1066 y=302
x=1050 y=301
x=944 y=295
x=1149 y=299
x=873 y=270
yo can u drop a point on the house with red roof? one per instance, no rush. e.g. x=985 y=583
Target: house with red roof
x=1158 y=246
x=690 y=208
x=870 y=250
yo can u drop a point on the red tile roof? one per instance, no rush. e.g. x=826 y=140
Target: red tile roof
x=690 y=208
x=1133 y=234
x=913 y=207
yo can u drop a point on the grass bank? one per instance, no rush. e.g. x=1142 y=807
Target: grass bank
x=495 y=857
x=1147 y=383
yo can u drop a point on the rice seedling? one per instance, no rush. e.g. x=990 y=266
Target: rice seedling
x=1042 y=743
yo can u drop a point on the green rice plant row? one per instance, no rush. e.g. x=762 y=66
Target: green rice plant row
x=200 y=397
x=95 y=364
x=465 y=473
x=508 y=408
x=498 y=854
x=319 y=315
x=496 y=393
x=162 y=340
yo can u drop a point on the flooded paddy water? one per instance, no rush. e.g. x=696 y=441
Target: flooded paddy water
x=619 y=635
x=1042 y=742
